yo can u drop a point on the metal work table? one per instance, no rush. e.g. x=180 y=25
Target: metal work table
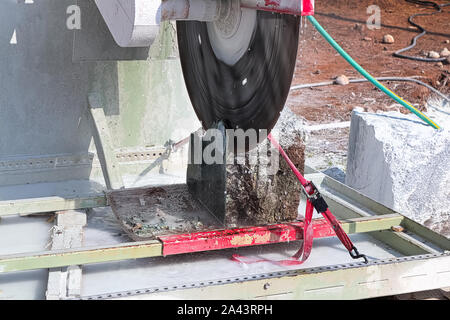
x=410 y=260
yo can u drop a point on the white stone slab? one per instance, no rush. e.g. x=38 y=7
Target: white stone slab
x=402 y=163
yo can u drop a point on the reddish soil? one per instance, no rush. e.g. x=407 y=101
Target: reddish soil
x=346 y=20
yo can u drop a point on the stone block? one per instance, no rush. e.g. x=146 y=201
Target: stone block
x=402 y=163
x=245 y=190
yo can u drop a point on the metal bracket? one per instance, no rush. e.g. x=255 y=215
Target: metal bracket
x=104 y=145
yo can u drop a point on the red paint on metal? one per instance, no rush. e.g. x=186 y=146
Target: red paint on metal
x=272 y=2
x=303 y=7
x=307 y=7
x=276 y=10
x=241 y=237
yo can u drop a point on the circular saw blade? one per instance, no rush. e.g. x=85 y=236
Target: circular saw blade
x=251 y=93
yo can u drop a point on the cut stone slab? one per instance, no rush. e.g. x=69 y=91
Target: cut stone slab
x=251 y=193
x=402 y=163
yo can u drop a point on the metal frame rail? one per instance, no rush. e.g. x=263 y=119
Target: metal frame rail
x=425 y=265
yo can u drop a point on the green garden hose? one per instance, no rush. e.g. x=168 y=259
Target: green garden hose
x=367 y=75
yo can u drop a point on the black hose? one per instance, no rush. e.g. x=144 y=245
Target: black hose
x=438 y=7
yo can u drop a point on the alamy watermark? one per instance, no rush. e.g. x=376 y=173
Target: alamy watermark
x=73 y=21
x=374 y=20
x=250 y=148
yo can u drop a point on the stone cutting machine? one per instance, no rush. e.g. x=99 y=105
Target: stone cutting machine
x=238 y=56
x=238 y=59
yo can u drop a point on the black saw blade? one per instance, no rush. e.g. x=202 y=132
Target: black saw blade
x=251 y=93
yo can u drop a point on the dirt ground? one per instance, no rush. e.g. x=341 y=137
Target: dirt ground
x=317 y=61
x=346 y=20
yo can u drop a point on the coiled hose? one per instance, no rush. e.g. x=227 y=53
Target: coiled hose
x=438 y=7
